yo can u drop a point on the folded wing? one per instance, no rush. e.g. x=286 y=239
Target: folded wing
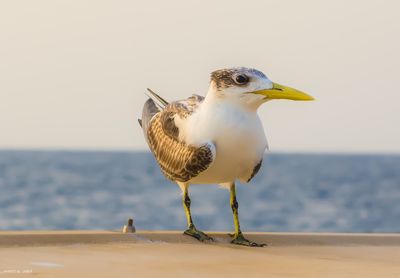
x=178 y=161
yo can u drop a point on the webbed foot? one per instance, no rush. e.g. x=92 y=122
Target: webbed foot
x=199 y=235
x=241 y=240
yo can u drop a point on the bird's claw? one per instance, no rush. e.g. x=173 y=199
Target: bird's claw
x=199 y=235
x=241 y=240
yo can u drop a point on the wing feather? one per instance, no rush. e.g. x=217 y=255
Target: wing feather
x=255 y=170
x=178 y=160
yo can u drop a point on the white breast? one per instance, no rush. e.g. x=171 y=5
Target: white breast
x=238 y=136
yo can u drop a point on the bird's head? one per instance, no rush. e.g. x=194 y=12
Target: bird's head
x=250 y=87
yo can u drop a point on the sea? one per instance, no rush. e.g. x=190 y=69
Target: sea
x=48 y=190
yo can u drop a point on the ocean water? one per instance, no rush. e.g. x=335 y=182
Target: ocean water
x=292 y=192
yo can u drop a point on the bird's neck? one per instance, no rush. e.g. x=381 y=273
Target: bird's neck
x=233 y=102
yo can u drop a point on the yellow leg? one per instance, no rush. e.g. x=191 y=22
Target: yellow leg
x=192 y=231
x=186 y=205
x=238 y=237
x=235 y=210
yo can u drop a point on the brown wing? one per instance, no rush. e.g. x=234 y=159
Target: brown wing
x=178 y=160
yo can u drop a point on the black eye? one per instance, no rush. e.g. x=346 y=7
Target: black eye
x=241 y=79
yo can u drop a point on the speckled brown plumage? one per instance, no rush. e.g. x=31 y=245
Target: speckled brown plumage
x=178 y=160
x=185 y=107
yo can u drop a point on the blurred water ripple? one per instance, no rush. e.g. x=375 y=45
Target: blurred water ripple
x=292 y=192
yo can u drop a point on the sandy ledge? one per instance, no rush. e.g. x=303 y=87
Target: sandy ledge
x=171 y=254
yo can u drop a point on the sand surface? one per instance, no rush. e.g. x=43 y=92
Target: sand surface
x=170 y=254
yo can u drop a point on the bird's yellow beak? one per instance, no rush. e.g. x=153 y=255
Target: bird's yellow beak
x=282 y=92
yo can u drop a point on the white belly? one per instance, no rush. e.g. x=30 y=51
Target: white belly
x=239 y=140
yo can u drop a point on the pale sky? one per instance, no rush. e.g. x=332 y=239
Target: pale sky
x=73 y=73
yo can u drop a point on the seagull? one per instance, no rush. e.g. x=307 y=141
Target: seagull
x=216 y=139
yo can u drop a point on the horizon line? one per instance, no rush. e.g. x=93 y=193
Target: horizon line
x=126 y=150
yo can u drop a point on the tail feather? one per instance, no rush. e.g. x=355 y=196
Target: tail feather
x=162 y=103
x=152 y=106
